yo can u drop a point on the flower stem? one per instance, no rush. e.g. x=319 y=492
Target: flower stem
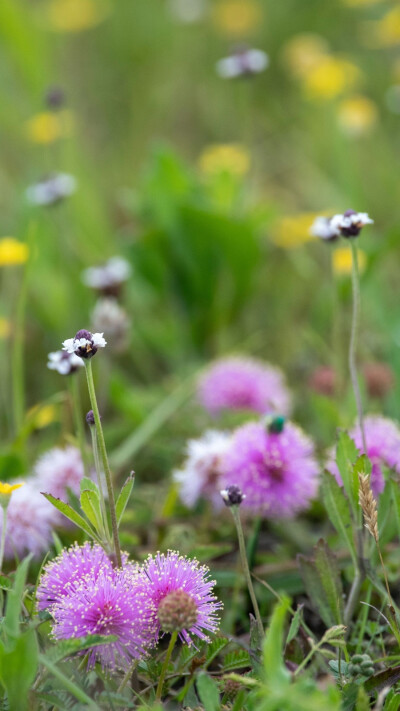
x=103 y=454
x=77 y=413
x=17 y=359
x=3 y=536
x=99 y=479
x=353 y=341
x=171 y=646
x=246 y=569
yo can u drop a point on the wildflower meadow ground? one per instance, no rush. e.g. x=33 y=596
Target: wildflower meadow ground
x=199 y=355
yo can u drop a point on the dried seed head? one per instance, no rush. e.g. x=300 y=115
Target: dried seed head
x=368 y=505
x=177 y=611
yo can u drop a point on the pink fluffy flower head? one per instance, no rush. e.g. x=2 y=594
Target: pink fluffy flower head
x=58 y=470
x=276 y=471
x=199 y=477
x=237 y=383
x=115 y=602
x=383 y=449
x=30 y=521
x=169 y=573
x=62 y=573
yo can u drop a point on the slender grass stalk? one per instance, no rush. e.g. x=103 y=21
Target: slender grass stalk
x=3 y=536
x=104 y=458
x=172 y=642
x=68 y=684
x=243 y=555
x=355 y=277
x=78 y=419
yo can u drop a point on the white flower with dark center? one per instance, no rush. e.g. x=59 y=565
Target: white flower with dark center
x=350 y=223
x=323 y=229
x=243 y=62
x=85 y=344
x=63 y=362
x=109 y=276
x=51 y=189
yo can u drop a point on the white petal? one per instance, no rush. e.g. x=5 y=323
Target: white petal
x=98 y=340
x=69 y=345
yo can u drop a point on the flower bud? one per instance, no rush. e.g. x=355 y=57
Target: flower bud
x=232 y=496
x=177 y=611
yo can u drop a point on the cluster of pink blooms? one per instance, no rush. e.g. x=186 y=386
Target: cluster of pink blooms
x=30 y=517
x=86 y=595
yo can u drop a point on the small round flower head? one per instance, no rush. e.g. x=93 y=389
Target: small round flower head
x=109 y=316
x=58 y=470
x=244 y=384
x=170 y=573
x=379 y=379
x=51 y=190
x=72 y=565
x=350 y=223
x=200 y=474
x=323 y=380
x=108 y=277
x=383 y=449
x=55 y=98
x=85 y=344
x=63 y=362
x=30 y=520
x=90 y=418
x=113 y=603
x=276 y=471
x=232 y=496
x=244 y=62
x=323 y=229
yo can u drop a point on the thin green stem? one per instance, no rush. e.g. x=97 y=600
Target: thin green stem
x=99 y=479
x=353 y=340
x=164 y=668
x=104 y=458
x=17 y=357
x=246 y=569
x=78 y=418
x=3 y=536
x=68 y=684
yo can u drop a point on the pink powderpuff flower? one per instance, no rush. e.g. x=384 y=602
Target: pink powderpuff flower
x=58 y=470
x=61 y=574
x=383 y=449
x=174 y=580
x=199 y=477
x=238 y=383
x=275 y=470
x=29 y=523
x=115 y=602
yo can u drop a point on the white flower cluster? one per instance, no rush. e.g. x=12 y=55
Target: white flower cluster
x=86 y=345
x=242 y=63
x=52 y=189
x=112 y=273
x=63 y=362
x=348 y=224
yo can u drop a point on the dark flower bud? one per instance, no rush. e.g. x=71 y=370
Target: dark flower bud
x=90 y=418
x=232 y=496
x=55 y=97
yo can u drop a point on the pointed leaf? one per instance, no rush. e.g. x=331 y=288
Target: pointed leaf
x=388 y=677
x=14 y=599
x=323 y=584
x=275 y=671
x=123 y=497
x=71 y=514
x=346 y=455
x=338 y=510
x=18 y=667
x=295 y=624
x=208 y=692
x=90 y=505
x=86 y=483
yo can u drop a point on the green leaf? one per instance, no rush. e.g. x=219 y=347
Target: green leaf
x=71 y=514
x=18 y=667
x=323 y=584
x=86 y=483
x=388 y=677
x=392 y=702
x=346 y=455
x=295 y=624
x=123 y=497
x=68 y=647
x=275 y=671
x=14 y=599
x=214 y=648
x=337 y=508
x=208 y=692
x=90 y=505
x=236 y=660
x=362 y=702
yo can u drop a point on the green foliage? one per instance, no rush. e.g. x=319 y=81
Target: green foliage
x=123 y=497
x=337 y=508
x=323 y=584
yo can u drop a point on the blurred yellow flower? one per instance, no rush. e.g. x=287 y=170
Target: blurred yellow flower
x=48 y=126
x=342 y=261
x=5 y=328
x=384 y=32
x=303 y=52
x=225 y=157
x=75 y=15
x=43 y=415
x=294 y=231
x=7 y=489
x=236 y=18
x=12 y=252
x=357 y=115
x=330 y=77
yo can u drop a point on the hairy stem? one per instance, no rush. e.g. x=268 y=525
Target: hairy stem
x=77 y=413
x=104 y=458
x=161 y=680
x=99 y=472
x=246 y=569
x=353 y=341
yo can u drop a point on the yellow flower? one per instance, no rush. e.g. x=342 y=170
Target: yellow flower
x=47 y=126
x=357 y=115
x=330 y=77
x=225 y=157
x=43 y=415
x=384 y=32
x=342 y=261
x=294 y=231
x=12 y=252
x=236 y=18
x=5 y=328
x=7 y=489
x=303 y=52
x=75 y=15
